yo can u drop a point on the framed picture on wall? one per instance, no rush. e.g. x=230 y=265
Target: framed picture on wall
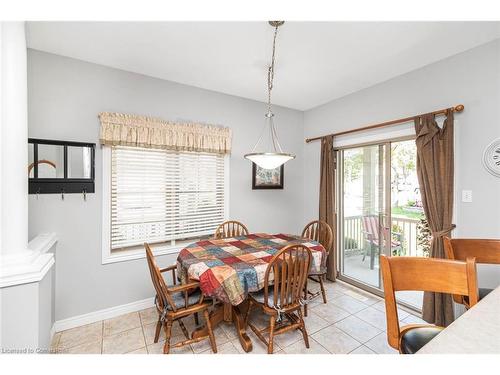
x=267 y=178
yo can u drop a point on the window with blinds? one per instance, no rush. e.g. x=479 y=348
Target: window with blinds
x=160 y=196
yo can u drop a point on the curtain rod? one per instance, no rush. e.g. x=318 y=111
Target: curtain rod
x=457 y=108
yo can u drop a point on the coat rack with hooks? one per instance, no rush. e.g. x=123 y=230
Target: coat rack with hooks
x=61 y=167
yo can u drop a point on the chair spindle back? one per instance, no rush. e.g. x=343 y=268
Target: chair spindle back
x=230 y=229
x=321 y=232
x=289 y=268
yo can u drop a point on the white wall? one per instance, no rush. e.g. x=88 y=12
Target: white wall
x=27 y=315
x=471 y=78
x=65 y=97
x=19 y=316
x=46 y=311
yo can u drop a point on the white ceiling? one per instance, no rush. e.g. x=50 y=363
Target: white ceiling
x=316 y=61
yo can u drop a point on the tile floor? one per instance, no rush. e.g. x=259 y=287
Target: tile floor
x=351 y=322
x=357 y=269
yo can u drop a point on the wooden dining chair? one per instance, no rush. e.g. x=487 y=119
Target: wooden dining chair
x=422 y=274
x=484 y=250
x=284 y=281
x=176 y=302
x=321 y=232
x=230 y=229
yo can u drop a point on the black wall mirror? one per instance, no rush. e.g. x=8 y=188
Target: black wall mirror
x=60 y=167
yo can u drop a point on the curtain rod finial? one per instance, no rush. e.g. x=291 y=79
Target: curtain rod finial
x=459 y=108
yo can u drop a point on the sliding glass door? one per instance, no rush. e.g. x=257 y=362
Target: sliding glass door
x=380 y=211
x=363 y=212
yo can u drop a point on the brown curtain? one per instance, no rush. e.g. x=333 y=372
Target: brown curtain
x=435 y=176
x=327 y=199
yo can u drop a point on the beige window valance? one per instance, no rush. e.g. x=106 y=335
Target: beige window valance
x=141 y=131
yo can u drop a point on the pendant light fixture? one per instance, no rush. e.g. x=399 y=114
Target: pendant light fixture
x=272 y=155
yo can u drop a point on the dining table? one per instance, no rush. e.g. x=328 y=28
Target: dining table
x=228 y=269
x=477 y=331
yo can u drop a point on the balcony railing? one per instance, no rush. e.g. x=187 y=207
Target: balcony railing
x=355 y=238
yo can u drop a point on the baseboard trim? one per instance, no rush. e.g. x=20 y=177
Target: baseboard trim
x=112 y=312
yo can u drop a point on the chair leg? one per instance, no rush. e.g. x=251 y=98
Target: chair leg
x=196 y=319
x=247 y=315
x=305 y=298
x=372 y=256
x=320 y=278
x=158 y=329
x=213 y=344
x=270 y=345
x=183 y=328
x=303 y=328
x=168 y=332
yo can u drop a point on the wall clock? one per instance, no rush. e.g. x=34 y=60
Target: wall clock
x=491 y=158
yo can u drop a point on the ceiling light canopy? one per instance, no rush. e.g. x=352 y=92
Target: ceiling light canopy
x=272 y=155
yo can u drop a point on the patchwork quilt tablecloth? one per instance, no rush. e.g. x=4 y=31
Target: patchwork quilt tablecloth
x=228 y=269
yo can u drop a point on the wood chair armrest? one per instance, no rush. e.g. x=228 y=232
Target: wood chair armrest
x=169 y=268
x=172 y=268
x=184 y=287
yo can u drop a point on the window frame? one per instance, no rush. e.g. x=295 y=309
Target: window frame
x=137 y=252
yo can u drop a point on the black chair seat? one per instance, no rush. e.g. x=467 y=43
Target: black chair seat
x=414 y=339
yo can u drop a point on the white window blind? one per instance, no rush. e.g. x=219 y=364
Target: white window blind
x=161 y=196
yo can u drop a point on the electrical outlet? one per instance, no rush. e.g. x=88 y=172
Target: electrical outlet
x=467 y=196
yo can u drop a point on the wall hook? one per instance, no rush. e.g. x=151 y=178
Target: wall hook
x=62 y=194
x=85 y=195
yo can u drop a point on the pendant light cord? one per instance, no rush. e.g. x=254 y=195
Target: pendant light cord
x=270 y=73
x=270 y=79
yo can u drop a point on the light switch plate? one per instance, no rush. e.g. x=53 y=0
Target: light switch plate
x=466 y=196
